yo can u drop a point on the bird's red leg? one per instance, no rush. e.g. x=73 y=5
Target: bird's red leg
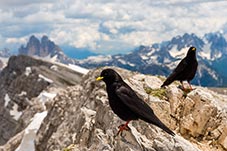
x=123 y=127
x=182 y=85
x=190 y=86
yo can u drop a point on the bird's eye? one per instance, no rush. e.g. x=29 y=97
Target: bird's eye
x=105 y=74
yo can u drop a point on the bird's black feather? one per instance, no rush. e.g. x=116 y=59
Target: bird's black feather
x=125 y=102
x=185 y=70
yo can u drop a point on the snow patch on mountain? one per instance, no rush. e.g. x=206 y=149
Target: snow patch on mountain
x=45 y=78
x=45 y=96
x=28 y=71
x=14 y=112
x=78 y=69
x=7 y=99
x=4 y=61
x=175 y=53
x=27 y=143
x=23 y=93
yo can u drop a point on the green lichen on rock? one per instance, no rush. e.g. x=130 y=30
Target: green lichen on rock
x=160 y=93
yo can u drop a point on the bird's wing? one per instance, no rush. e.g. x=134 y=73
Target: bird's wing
x=181 y=66
x=173 y=76
x=137 y=105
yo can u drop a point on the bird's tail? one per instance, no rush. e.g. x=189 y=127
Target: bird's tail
x=169 y=80
x=165 y=128
x=161 y=125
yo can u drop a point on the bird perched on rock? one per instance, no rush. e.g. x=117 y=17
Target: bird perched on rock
x=126 y=104
x=185 y=70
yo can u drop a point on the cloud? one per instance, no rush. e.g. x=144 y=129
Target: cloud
x=106 y=26
x=16 y=40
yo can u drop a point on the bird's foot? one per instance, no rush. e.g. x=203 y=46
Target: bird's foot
x=186 y=90
x=122 y=128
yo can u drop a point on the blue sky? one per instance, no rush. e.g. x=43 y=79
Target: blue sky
x=108 y=26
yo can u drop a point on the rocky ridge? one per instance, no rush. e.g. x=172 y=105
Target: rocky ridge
x=26 y=84
x=81 y=119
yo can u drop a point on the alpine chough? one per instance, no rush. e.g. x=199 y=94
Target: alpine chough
x=185 y=70
x=126 y=104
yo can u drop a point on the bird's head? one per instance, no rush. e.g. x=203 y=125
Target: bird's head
x=191 y=51
x=109 y=76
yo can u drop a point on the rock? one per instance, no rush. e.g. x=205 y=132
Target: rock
x=86 y=121
x=21 y=83
x=79 y=118
x=201 y=115
x=45 y=48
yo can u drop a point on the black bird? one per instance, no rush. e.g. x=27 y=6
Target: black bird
x=185 y=70
x=126 y=104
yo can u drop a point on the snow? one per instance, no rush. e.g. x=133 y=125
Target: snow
x=121 y=61
x=14 y=112
x=4 y=61
x=152 y=60
x=45 y=96
x=175 y=53
x=131 y=64
x=45 y=78
x=144 y=57
x=7 y=99
x=209 y=70
x=27 y=143
x=28 y=71
x=167 y=60
x=22 y=93
x=78 y=69
x=54 y=67
x=151 y=52
x=206 y=52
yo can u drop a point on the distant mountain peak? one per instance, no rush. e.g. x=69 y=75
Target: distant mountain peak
x=5 y=53
x=45 y=48
x=42 y=48
x=162 y=58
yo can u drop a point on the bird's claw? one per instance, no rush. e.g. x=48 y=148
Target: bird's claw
x=122 y=128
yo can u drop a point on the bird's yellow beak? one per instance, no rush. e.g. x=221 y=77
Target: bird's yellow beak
x=194 y=49
x=99 y=78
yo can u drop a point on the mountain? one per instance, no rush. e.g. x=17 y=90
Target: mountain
x=4 y=56
x=79 y=117
x=45 y=48
x=26 y=84
x=162 y=58
x=5 y=53
x=157 y=59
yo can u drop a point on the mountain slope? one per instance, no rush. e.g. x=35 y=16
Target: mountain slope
x=23 y=83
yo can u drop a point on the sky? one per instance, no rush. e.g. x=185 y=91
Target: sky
x=108 y=26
